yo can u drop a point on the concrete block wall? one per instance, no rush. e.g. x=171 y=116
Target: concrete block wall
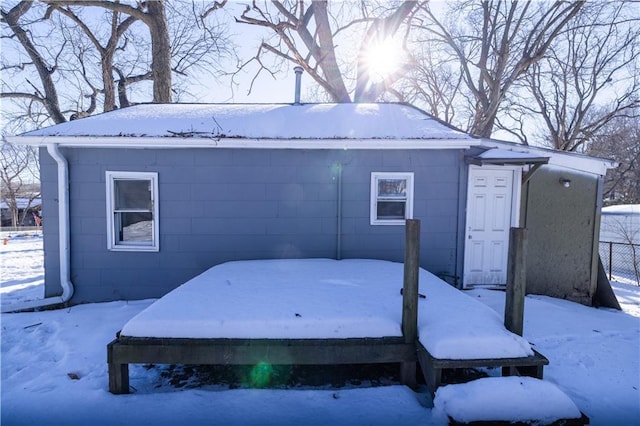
x=218 y=205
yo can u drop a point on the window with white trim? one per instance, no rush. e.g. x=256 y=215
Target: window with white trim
x=391 y=198
x=132 y=211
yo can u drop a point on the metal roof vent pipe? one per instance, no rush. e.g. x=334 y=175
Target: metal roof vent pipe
x=298 y=71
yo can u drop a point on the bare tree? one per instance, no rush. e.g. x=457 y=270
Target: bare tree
x=589 y=77
x=153 y=14
x=106 y=52
x=494 y=44
x=619 y=140
x=433 y=84
x=46 y=94
x=305 y=34
x=88 y=62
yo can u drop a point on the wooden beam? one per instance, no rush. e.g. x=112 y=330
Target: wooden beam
x=313 y=352
x=433 y=368
x=530 y=173
x=118 y=372
x=410 y=297
x=142 y=350
x=516 y=281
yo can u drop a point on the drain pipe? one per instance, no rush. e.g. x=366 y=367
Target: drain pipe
x=298 y=71
x=63 y=235
x=339 y=213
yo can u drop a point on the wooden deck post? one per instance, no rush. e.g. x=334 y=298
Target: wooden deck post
x=118 y=372
x=410 y=297
x=516 y=281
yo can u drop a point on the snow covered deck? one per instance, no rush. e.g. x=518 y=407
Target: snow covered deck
x=310 y=311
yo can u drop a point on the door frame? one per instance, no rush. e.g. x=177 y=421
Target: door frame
x=516 y=192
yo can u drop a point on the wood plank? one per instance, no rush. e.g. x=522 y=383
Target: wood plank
x=410 y=281
x=410 y=297
x=129 y=340
x=536 y=359
x=247 y=352
x=118 y=372
x=516 y=281
x=124 y=351
x=432 y=368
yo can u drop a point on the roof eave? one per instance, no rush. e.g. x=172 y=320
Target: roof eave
x=477 y=161
x=570 y=160
x=177 y=142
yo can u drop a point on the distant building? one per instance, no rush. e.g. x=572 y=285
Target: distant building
x=621 y=224
x=27 y=211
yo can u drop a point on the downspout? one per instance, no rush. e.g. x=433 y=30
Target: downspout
x=339 y=214
x=63 y=236
x=298 y=71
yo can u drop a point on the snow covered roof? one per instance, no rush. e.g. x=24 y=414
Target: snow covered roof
x=570 y=160
x=23 y=203
x=283 y=126
x=622 y=210
x=259 y=121
x=508 y=156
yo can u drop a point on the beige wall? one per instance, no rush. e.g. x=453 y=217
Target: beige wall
x=562 y=223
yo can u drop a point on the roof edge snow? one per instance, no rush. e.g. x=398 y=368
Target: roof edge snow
x=177 y=142
x=570 y=160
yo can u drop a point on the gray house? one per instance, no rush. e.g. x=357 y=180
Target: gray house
x=139 y=200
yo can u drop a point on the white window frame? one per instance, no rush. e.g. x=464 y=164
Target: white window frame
x=113 y=242
x=375 y=197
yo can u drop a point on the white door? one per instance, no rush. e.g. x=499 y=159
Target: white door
x=492 y=208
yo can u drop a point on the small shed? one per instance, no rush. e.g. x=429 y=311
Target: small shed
x=621 y=224
x=620 y=241
x=27 y=210
x=141 y=199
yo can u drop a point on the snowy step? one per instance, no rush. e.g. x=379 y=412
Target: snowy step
x=508 y=400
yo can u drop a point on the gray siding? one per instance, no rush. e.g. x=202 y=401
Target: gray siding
x=218 y=205
x=49 y=189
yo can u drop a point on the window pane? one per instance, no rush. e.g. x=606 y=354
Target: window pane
x=132 y=194
x=134 y=227
x=392 y=188
x=391 y=210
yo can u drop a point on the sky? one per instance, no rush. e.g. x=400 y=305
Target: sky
x=266 y=88
x=54 y=369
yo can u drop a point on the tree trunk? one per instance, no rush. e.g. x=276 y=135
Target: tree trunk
x=328 y=61
x=108 y=83
x=160 y=50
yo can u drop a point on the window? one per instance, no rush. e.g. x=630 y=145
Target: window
x=132 y=211
x=391 y=198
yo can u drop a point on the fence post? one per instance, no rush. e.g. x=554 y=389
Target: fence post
x=410 y=297
x=610 y=260
x=516 y=281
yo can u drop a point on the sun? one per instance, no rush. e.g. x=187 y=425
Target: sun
x=383 y=58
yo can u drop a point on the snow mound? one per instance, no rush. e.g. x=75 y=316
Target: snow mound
x=512 y=399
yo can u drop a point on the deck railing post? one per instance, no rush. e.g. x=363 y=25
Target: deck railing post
x=516 y=281
x=410 y=296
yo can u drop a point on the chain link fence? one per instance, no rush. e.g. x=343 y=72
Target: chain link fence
x=621 y=260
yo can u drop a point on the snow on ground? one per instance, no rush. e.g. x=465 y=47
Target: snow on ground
x=21 y=263
x=54 y=367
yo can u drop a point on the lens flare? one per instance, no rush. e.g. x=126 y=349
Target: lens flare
x=261 y=375
x=383 y=58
